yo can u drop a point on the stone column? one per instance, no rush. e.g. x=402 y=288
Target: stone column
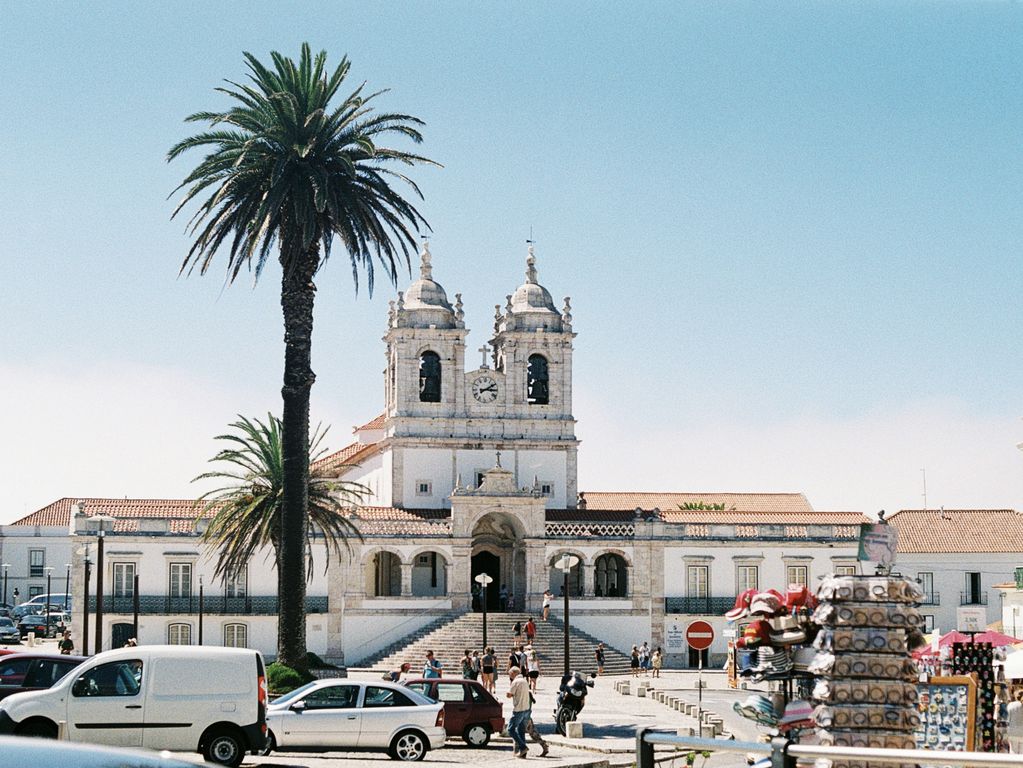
x=459 y=576
x=536 y=575
x=406 y=579
x=589 y=578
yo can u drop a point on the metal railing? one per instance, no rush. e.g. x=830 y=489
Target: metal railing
x=704 y=606
x=784 y=753
x=931 y=598
x=259 y=605
x=971 y=598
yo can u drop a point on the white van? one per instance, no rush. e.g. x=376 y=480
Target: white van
x=177 y=697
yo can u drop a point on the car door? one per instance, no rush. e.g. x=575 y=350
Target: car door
x=105 y=705
x=12 y=675
x=384 y=711
x=325 y=717
x=45 y=672
x=456 y=706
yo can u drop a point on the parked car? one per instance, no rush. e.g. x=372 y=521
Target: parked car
x=59 y=600
x=43 y=627
x=337 y=713
x=22 y=751
x=33 y=671
x=470 y=712
x=173 y=697
x=9 y=632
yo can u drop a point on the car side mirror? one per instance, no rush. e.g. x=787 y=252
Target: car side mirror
x=80 y=687
x=298 y=706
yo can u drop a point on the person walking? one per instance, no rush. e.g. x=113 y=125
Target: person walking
x=66 y=645
x=534 y=734
x=548 y=596
x=513 y=659
x=399 y=675
x=530 y=631
x=634 y=661
x=599 y=654
x=433 y=667
x=644 y=658
x=503 y=597
x=475 y=665
x=1014 y=724
x=532 y=667
x=522 y=708
x=467 y=664
x=487 y=666
x=517 y=631
x=656 y=661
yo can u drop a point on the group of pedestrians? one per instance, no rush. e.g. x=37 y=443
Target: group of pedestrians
x=645 y=661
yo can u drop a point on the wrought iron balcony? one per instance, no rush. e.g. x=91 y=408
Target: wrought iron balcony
x=931 y=598
x=258 y=605
x=973 y=598
x=703 y=606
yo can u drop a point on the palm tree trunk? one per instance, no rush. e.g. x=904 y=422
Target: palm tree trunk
x=298 y=293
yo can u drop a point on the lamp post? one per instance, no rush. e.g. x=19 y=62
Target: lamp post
x=200 y=607
x=484 y=579
x=565 y=564
x=5 y=566
x=49 y=574
x=135 y=608
x=67 y=585
x=100 y=521
x=87 y=567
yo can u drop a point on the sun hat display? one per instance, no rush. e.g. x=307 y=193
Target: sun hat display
x=796 y=711
x=742 y=603
x=766 y=603
x=755 y=634
x=799 y=596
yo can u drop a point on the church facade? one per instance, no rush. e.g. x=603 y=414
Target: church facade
x=471 y=469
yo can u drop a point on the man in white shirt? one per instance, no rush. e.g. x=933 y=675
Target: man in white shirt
x=521 y=710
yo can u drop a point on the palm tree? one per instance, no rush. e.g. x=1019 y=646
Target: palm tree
x=246 y=513
x=287 y=171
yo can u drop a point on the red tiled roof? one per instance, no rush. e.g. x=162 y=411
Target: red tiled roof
x=958 y=530
x=390 y=521
x=59 y=512
x=350 y=454
x=377 y=423
x=739 y=502
x=712 y=517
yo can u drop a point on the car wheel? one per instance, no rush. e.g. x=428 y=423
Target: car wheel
x=225 y=748
x=476 y=735
x=271 y=744
x=39 y=729
x=408 y=746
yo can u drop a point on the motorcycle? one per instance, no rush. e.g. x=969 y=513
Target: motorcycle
x=571 y=699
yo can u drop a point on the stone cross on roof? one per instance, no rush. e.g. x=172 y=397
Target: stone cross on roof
x=530 y=263
x=483 y=351
x=426 y=269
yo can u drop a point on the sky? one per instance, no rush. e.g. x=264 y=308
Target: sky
x=790 y=231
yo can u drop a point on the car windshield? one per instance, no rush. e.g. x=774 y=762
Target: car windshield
x=289 y=697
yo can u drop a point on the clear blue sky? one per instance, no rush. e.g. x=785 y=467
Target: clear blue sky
x=791 y=235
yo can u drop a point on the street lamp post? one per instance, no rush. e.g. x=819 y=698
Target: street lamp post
x=135 y=608
x=200 y=607
x=5 y=566
x=565 y=564
x=87 y=566
x=67 y=586
x=484 y=579
x=49 y=574
x=100 y=521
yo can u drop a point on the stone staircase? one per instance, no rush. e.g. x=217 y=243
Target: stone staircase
x=450 y=639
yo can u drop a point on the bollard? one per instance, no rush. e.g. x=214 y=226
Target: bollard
x=641 y=692
x=574 y=730
x=31 y=639
x=62 y=730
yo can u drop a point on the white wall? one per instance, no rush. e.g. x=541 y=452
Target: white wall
x=15 y=543
x=618 y=631
x=365 y=635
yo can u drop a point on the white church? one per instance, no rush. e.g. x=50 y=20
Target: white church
x=472 y=469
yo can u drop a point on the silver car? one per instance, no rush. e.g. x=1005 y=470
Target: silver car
x=9 y=632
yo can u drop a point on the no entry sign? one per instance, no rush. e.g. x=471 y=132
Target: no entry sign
x=699 y=635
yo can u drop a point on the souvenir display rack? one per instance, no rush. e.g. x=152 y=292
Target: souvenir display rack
x=948 y=714
x=977 y=659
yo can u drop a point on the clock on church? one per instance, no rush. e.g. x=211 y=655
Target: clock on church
x=484 y=389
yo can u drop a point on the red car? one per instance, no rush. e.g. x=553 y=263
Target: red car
x=33 y=671
x=470 y=713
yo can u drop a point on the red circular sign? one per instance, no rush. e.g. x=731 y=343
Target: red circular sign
x=699 y=635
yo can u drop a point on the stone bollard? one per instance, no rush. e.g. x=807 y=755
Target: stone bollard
x=625 y=688
x=641 y=691
x=684 y=731
x=706 y=731
x=574 y=730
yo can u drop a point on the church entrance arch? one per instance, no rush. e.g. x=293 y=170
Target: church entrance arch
x=497 y=550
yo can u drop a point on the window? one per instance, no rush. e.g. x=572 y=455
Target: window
x=537 y=381
x=35 y=591
x=179 y=634
x=973 y=594
x=46 y=672
x=698 y=578
x=385 y=697
x=450 y=692
x=386 y=575
x=236 y=636
x=237 y=584
x=747 y=577
x=118 y=678
x=609 y=576
x=429 y=377
x=36 y=563
x=13 y=671
x=333 y=697
x=124 y=579
x=928 y=623
x=845 y=570
x=547 y=488
x=424 y=488
x=926 y=579
x=180 y=583
x=798 y=574
x=479 y=477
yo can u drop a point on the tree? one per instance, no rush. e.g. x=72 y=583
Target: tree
x=246 y=513
x=286 y=170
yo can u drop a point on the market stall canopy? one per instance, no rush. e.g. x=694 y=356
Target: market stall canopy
x=997 y=639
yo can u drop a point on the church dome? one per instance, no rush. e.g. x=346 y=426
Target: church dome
x=426 y=294
x=531 y=306
x=425 y=303
x=532 y=297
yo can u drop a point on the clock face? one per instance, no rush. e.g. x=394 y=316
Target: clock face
x=484 y=389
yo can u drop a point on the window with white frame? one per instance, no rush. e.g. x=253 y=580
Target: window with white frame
x=798 y=574
x=424 y=488
x=698 y=579
x=36 y=563
x=179 y=634
x=237 y=584
x=236 y=636
x=846 y=570
x=926 y=579
x=124 y=579
x=36 y=591
x=546 y=487
x=180 y=580
x=747 y=577
x=928 y=623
